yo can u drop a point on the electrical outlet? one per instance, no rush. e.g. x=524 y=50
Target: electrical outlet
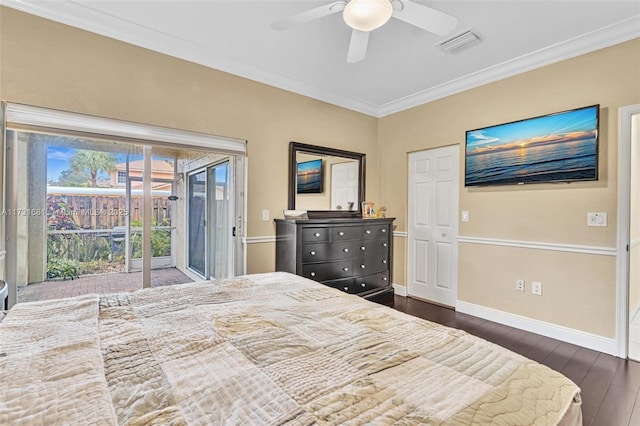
x=465 y=215
x=265 y=215
x=519 y=285
x=536 y=288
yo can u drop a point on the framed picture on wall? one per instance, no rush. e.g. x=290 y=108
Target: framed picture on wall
x=310 y=177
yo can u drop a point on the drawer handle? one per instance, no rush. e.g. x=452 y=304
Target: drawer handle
x=363 y=285
x=384 y=230
x=345 y=288
x=346 y=250
x=341 y=233
x=384 y=244
x=362 y=266
x=345 y=269
x=363 y=248
x=384 y=278
x=312 y=253
x=368 y=231
x=317 y=234
x=384 y=261
x=313 y=274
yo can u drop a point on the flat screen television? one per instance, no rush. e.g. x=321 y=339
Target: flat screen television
x=309 y=177
x=559 y=147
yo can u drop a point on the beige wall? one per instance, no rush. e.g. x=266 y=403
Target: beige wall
x=47 y=64
x=578 y=290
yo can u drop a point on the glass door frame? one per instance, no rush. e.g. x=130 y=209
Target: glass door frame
x=232 y=220
x=187 y=221
x=129 y=260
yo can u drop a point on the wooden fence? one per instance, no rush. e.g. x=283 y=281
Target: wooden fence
x=109 y=211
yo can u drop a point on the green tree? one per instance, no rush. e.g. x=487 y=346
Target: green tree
x=93 y=163
x=71 y=177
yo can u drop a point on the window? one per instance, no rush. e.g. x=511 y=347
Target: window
x=30 y=136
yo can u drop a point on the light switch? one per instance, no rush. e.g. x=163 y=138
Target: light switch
x=465 y=215
x=597 y=219
x=265 y=215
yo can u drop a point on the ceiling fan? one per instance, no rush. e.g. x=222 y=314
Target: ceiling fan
x=365 y=16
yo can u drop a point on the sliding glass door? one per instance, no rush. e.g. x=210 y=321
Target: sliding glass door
x=197 y=222
x=210 y=211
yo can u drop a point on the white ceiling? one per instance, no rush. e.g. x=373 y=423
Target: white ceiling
x=404 y=66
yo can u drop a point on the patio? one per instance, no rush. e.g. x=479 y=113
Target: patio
x=101 y=284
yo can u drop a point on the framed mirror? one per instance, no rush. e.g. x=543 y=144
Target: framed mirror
x=326 y=182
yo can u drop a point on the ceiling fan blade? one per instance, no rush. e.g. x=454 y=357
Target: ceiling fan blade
x=358 y=46
x=309 y=15
x=425 y=17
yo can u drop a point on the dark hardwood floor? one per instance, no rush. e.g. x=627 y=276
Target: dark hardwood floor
x=610 y=386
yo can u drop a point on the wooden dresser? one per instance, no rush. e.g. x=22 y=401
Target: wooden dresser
x=353 y=255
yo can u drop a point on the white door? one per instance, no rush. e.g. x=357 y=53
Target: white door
x=433 y=225
x=344 y=186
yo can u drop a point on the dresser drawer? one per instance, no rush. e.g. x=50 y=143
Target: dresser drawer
x=328 y=271
x=372 y=247
x=321 y=252
x=374 y=231
x=315 y=234
x=344 y=285
x=370 y=265
x=371 y=282
x=341 y=233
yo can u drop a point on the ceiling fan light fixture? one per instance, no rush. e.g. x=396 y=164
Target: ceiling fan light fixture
x=367 y=15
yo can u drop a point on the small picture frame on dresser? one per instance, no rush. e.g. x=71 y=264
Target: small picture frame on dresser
x=368 y=210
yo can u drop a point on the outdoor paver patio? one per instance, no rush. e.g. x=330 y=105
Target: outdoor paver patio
x=119 y=282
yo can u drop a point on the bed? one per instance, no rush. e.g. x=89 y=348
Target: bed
x=272 y=349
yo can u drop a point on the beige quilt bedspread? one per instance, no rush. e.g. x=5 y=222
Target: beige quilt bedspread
x=272 y=349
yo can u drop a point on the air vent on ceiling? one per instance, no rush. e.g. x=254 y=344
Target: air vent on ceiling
x=460 y=41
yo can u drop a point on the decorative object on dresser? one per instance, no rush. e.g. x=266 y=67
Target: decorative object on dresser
x=351 y=254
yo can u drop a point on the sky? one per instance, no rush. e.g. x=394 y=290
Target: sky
x=58 y=160
x=309 y=165
x=540 y=129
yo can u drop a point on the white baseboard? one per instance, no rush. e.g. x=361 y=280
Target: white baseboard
x=565 y=334
x=400 y=290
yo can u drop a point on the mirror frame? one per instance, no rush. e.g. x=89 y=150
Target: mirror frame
x=295 y=147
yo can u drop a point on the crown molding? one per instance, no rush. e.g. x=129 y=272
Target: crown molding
x=95 y=21
x=619 y=32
